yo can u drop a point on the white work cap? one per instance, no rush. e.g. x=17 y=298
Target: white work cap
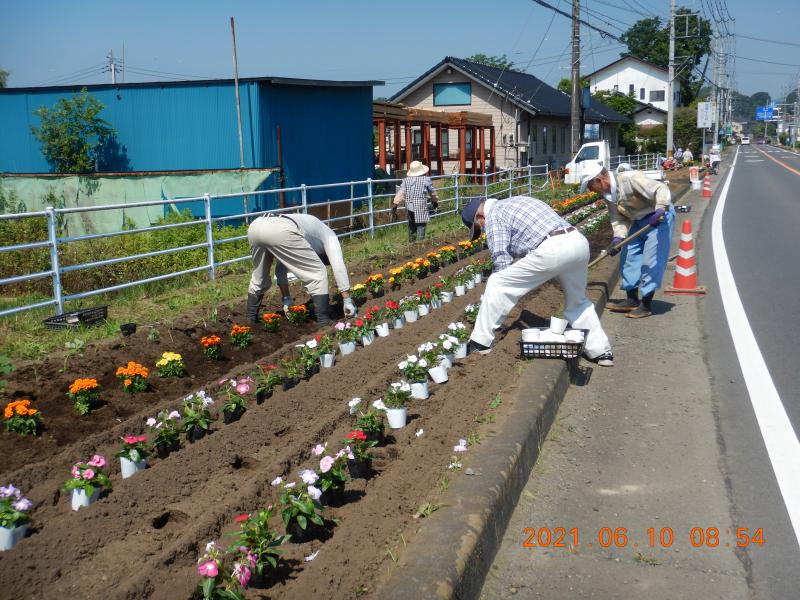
x=592 y=170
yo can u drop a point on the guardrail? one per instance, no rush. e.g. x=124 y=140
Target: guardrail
x=368 y=208
x=638 y=162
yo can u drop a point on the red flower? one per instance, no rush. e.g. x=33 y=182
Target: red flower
x=439 y=285
x=359 y=322
x=358 y=435
x=130 y=439
x=241 y=518
x=391 y=304
x=318 y=337
x=141 y=438
x=419 y=293
x=374 y=308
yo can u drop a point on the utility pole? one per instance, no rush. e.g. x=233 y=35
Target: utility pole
x=716 y=57
x=575 y=109
x=670 y=84
x=112 y=66
x=238 y=103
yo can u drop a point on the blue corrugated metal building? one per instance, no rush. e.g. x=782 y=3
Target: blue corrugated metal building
x=326 y=127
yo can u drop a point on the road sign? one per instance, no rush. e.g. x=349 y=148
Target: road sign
x=705 y=115
x=764 y=113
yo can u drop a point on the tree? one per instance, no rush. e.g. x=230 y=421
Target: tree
x=624 y=105
x=565 y=85
x=500 y=62
x=686 y=133
x=648 y=39
x=71 y=131
x=3 y=78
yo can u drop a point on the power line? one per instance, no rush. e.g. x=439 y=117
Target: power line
x=79 y=73
x=602 y=32
x=749 y=37
x=769 y=62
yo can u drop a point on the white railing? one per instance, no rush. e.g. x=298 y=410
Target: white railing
x=363 y=202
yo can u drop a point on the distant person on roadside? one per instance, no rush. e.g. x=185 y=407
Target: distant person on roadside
x=547 y=247
x=635 y=201
x=414 y=191
x=715 y=157
x=303 y=245
x=679 y=156
x=687 y=155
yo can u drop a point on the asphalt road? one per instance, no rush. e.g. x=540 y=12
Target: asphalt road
x=760 y=226
x=669 y=437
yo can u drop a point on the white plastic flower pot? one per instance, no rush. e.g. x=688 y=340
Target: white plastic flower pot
x=398 y=323
x=410 y=316
x=326 y=360
x=461 y=351
x=419 y=390
x=558 y=325
x=10 y=537
x=478 y=278
x=447 y=297
x=460 y=290
x=129 y=468
x=382 y=330
x=366 y=340
x=397 y=417
x=81 y=500
x=469 y=284
x=423 y=309
x=438 y=374
x=436 y=303
x=447 y=360
x=347 y=347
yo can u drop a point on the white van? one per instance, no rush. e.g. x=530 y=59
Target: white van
x=745 y=141
x=599 y=152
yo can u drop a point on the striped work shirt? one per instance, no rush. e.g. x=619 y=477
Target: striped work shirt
x=516 y=226
x=416 y=190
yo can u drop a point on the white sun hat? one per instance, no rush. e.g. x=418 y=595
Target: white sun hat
x=416 y=169
x=592 y=170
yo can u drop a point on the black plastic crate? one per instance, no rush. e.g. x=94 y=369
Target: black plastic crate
x=86 y=316
x=571 y=351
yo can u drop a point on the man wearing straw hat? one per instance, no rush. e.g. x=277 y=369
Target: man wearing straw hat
x=547 y=247
x=303 y=245
x=414 y=190
x=635 y=201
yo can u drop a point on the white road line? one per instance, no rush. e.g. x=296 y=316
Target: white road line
x=780 y=438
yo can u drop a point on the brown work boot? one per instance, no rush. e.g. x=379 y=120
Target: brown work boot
x=639 y=312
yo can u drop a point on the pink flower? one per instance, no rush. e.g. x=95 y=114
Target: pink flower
x=243 y=388
x=208 y=569
x=308 y=476
x=141 y=438
x=97 y=461
x=318 y=449
x=76 y=472
x=339 y=326
x=251 y=558
x=241 y=573
x=130 y=439
x=88 y=474
x=325 y=464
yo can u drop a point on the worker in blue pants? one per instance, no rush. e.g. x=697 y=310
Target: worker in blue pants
x=635 y=201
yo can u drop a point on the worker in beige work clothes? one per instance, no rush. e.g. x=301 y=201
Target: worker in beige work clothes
x=303 y=245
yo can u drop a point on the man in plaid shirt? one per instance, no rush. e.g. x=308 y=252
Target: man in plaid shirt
x=415 y=189
x=544 y=246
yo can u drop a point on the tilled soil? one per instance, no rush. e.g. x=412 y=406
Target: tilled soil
x=142 y=540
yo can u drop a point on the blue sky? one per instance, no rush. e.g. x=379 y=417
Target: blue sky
x=54 y=42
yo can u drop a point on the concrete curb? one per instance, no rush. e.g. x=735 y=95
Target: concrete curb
x=451 y=555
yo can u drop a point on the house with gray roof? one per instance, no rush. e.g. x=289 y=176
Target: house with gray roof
x=531 y=120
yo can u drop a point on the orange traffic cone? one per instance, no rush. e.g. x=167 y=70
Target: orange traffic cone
x=685 y=281
x=707 y=186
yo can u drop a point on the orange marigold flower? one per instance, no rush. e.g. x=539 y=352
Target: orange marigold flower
x=127 y=382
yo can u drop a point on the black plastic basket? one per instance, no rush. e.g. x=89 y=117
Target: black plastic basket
x=87 y=316
x=571 y=351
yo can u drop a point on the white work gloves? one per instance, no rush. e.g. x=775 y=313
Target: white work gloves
x=350 y=309
x=287 y=302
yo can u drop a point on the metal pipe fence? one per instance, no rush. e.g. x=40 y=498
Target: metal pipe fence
x=369 y=211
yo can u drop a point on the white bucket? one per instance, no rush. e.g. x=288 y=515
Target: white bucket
x=129 y=468
x=410 y=316
x=423 y=309
x=382 y=330
x=438 y=374
x=460 y=290
x=10 y=537
x=461 y=351
x=326 y=360
x=419 y=390
x=347 y=347
x=397 y=417
x=81 y=500
x=447 y=297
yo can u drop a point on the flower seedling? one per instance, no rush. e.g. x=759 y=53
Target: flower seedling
x=375 y=284
x=307 y=356
x=19 y=417
x=267 y=378
x=459 y=331
x=164 y=428
x=241 y=336
x=256 y=543
x=171 y=365
x=134 y=377
x=471 y=312
x=297 y=314
x=300 y=504
x=414 y=368
x=358 y=292
x=393 y=310
x=345 y=332
x=237 y=391
x=218 y=581
x=324 y=344
x=360 y=446
x=447 y=254
x=397 y=395
x=134 y=448
x=196 y=411
x=88 y=476
x=371 y=423
x=271 y=321
x=212 y=346
x=13 y=507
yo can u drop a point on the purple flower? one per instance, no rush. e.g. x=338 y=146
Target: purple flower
x=314 y=492
x=174 y=415
x=308 y=476
x=8 y=491
x=22 y=504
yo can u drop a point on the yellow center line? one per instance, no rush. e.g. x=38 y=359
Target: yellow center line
x=781 y=163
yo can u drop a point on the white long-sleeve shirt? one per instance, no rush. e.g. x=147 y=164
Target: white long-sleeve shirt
x=324 y=242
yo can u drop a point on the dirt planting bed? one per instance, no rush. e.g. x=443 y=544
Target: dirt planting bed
x=143 y=538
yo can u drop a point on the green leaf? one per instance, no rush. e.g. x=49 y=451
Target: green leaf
x=208 y=588
x=301 y=520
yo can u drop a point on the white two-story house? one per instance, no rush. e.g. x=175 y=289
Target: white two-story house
x=645 y=81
